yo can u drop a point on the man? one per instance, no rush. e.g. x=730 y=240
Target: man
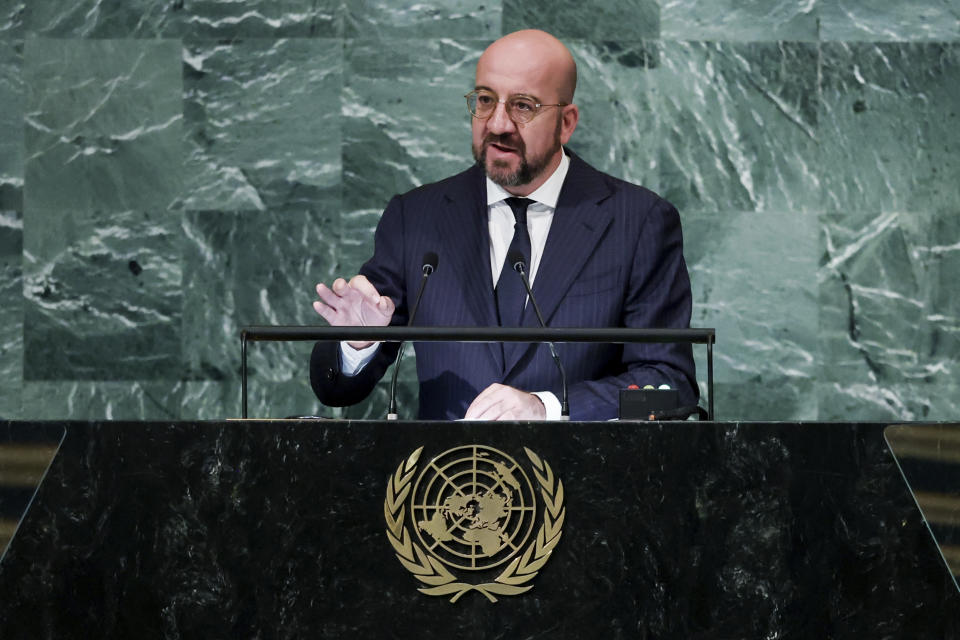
x=602 y=252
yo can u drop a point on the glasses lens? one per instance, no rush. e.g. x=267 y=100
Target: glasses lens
x=481 y=103
x=522 y=109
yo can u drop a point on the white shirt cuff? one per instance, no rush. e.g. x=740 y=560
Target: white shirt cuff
x=550 y=403
x=353 y=360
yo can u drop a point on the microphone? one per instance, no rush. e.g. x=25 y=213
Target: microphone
x=429 y=266
x=520 y=266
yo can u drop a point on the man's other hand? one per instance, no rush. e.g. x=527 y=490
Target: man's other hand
x=500 y=402
x=353 y=304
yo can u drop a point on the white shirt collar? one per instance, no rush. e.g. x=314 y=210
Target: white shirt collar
x=547 y=194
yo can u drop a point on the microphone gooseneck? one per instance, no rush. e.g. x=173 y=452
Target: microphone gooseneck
x=520 y=266
x=430 y=261
x=429 y=266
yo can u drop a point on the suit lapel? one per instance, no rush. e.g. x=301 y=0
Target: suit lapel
x=467 y=238
x=578 y=225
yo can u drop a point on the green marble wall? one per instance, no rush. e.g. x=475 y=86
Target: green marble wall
x=172 y=171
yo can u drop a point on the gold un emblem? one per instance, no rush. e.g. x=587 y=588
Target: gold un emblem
x=473 y=509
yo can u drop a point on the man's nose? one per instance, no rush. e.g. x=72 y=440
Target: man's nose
x=500 y=121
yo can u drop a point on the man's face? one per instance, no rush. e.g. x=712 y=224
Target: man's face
x=517 y=156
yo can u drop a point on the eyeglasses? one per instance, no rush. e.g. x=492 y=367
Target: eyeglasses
x=520 y=109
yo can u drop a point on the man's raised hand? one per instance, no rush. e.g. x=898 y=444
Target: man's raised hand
x=353 y=304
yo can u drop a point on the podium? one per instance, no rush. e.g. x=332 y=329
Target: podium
x=282 y=529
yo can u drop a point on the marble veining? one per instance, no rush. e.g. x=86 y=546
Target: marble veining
x=103 y=124
x=211 y=19
x=888 y=20
x=11 y=18
x=226 y=290
x=888 y=401
x=261 y=119
x=894 y=320
x=434 y=19
x=618 y=125
x=611 y=20
x=11 y=313
x=103 y=296
x=113 y=400
x=394 y=136
x=888 y=117
x=740 y=126
x=11 y=126
x=750 y=21
x=754 y=278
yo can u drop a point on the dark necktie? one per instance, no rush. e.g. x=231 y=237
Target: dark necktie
x=511 y=294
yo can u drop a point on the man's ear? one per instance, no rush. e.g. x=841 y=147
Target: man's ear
x=569 y=118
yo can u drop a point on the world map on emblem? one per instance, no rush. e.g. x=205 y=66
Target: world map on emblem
x=473 y=507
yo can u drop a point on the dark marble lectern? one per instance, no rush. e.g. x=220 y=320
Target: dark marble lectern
x=277 y=529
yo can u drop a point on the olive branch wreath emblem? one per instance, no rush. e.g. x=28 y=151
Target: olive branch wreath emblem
x=430 y=571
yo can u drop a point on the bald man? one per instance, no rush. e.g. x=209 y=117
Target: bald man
x=601 y=253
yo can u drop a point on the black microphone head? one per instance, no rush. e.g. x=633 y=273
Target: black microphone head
x=516 y=259
x=430 y=260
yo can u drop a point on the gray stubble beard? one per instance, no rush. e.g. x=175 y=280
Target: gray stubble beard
x=526 y=172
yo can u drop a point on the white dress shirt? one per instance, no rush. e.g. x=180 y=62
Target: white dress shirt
x=539 y=218
x=500 y=222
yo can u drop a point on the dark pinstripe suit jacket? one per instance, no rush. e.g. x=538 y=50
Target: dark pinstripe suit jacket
x=613 y=258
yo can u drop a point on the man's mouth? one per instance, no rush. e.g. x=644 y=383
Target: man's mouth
x=502 y=148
